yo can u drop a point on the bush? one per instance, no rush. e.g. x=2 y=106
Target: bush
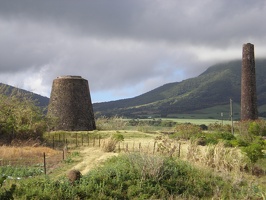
x=186 y=131
x=213 y=138
x=257 y=128
x=110 y=143
x=112 y=123
x=249 y=130
x=254 y=150
x=20 y=118
x=219 y=127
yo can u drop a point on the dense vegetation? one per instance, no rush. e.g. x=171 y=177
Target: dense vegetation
x=138 y=176
x=20 y=117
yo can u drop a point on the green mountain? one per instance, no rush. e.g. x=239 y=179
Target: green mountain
x=41 y=100
x=212 y=89
x=205 y=96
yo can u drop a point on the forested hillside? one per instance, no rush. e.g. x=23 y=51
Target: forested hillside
x=214 y=87
x=7 y=90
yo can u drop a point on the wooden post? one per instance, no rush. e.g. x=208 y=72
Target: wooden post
x=154 y=145
x=76 y=139
x=179 y=149
x=44 y=163
x=119 y=149
x=231 y=115
x=99 y=140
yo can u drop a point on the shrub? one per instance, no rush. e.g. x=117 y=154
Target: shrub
x=111 y=142
x=186 y=131
x=20 y=118
x=112 y=123
x=257 y=128
x=219 y=127
x=249 y=130
x=212 y=138
x=254 y=150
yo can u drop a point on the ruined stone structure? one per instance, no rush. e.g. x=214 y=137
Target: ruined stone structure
x=249 y=110
x=70 y=104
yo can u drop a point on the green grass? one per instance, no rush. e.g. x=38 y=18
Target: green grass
x=198 y=121
x=212 y=113
x=139 y=176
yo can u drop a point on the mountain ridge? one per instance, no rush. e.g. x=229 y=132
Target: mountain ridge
x=212 y=88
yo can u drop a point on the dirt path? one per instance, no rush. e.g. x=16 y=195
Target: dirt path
x=92 y=157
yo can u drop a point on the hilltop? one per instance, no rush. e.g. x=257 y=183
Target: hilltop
x=211 y=89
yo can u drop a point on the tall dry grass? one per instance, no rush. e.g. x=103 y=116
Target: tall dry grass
x=218 y=157
x=11 y=152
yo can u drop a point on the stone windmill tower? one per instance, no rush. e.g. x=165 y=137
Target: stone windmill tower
x=70 y=104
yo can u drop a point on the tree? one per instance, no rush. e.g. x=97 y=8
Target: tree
x=20 y=117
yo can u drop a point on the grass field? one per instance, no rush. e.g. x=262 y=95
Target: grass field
x=146 y=150
x=198 y=121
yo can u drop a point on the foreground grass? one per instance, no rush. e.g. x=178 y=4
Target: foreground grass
x=138 y=176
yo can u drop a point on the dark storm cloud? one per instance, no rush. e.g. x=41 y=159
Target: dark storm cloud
x=123 y=46
x=201 y=21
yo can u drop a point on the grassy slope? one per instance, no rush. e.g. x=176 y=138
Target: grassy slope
x=211 y=89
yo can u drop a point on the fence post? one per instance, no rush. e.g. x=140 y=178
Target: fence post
x=179 y=148
x=119 y=149
x=53 y=141
x=154 y=145
x=66 y=143
x=76 y=139
x=99 y=140
x=44 y=163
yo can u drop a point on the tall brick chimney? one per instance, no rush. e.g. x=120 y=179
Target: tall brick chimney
x=249 y=110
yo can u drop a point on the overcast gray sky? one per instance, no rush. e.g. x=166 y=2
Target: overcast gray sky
x=123 y=47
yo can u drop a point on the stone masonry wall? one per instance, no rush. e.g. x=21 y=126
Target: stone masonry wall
x=70 y=103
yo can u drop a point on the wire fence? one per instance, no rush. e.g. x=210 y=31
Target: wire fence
x=63 y=143
x=41 y=163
